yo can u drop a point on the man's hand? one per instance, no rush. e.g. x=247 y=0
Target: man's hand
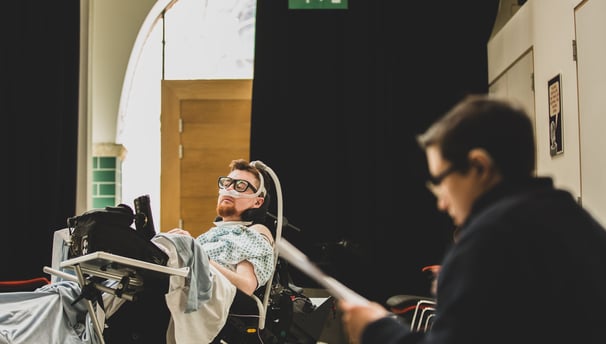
x=356 y=317
x=179 y=231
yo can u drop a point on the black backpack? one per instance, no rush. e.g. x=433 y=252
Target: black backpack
x=110 y=230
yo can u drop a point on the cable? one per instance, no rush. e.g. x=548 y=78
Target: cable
x=280 y=219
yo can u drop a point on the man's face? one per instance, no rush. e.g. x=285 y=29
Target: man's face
x=456 y=191
x=229 y=207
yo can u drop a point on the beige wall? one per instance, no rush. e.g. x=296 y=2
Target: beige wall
x=547 y=28
x=113 y=28
x=109 y=29
x=565 y=38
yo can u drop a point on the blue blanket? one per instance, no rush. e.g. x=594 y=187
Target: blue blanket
x=46 y=315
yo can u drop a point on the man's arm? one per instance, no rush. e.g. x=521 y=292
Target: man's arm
x=243 y=278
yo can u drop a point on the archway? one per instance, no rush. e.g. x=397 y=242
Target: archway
x=179 y=40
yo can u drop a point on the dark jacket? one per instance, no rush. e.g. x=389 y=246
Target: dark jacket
x=529 y=266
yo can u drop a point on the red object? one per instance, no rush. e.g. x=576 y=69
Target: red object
x=23 y=285
x=433 y=268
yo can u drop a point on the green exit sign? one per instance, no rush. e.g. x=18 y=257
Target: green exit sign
x=317 y=4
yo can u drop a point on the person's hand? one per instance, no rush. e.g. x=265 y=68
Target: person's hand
x=356 y=317
x=179 y=231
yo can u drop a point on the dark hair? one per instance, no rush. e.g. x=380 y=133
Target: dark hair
x=496 y=125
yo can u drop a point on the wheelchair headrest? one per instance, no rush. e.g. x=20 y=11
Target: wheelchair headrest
x=258 y=215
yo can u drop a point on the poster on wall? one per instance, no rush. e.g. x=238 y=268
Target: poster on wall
x=554 y=89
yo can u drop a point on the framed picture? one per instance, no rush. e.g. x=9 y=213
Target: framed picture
x=554 y=90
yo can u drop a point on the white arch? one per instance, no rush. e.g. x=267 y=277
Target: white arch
x=154 y=15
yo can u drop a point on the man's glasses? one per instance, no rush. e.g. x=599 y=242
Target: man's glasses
x=239 y=185
x=437 y=180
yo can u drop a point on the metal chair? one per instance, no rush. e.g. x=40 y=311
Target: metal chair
x=418 y=311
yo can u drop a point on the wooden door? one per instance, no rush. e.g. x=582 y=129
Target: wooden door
x=517 y=82
x=204 y=125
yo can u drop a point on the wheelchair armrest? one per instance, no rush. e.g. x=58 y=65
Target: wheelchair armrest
x=244 y=303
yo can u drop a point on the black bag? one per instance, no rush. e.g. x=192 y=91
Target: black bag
x=110 y=230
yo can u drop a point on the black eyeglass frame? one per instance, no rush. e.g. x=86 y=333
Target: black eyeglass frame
x=235 y=182
x=437 y=180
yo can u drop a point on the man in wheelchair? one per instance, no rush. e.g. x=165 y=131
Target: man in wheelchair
x=240 y=246
x=239 y=249
x=234 y=256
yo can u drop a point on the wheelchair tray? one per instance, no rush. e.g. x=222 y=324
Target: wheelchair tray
x=108 y=265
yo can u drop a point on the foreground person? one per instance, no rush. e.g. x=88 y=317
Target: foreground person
x=529 y=264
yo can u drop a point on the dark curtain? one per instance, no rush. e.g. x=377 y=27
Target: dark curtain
x=39 y=105
x=338 y=98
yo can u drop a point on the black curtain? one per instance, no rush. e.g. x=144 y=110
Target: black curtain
x=338 y=97
x=39 y=105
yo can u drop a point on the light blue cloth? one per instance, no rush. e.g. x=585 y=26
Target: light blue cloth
x=36 y=317
x=44 y=315
x=192 y=255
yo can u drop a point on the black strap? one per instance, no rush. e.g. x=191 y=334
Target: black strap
x=91 y=293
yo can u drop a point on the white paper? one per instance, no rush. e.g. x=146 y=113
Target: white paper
x=297 y=258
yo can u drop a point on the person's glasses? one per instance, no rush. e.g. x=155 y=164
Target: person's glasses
x=239 y=185
x=437 y=180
